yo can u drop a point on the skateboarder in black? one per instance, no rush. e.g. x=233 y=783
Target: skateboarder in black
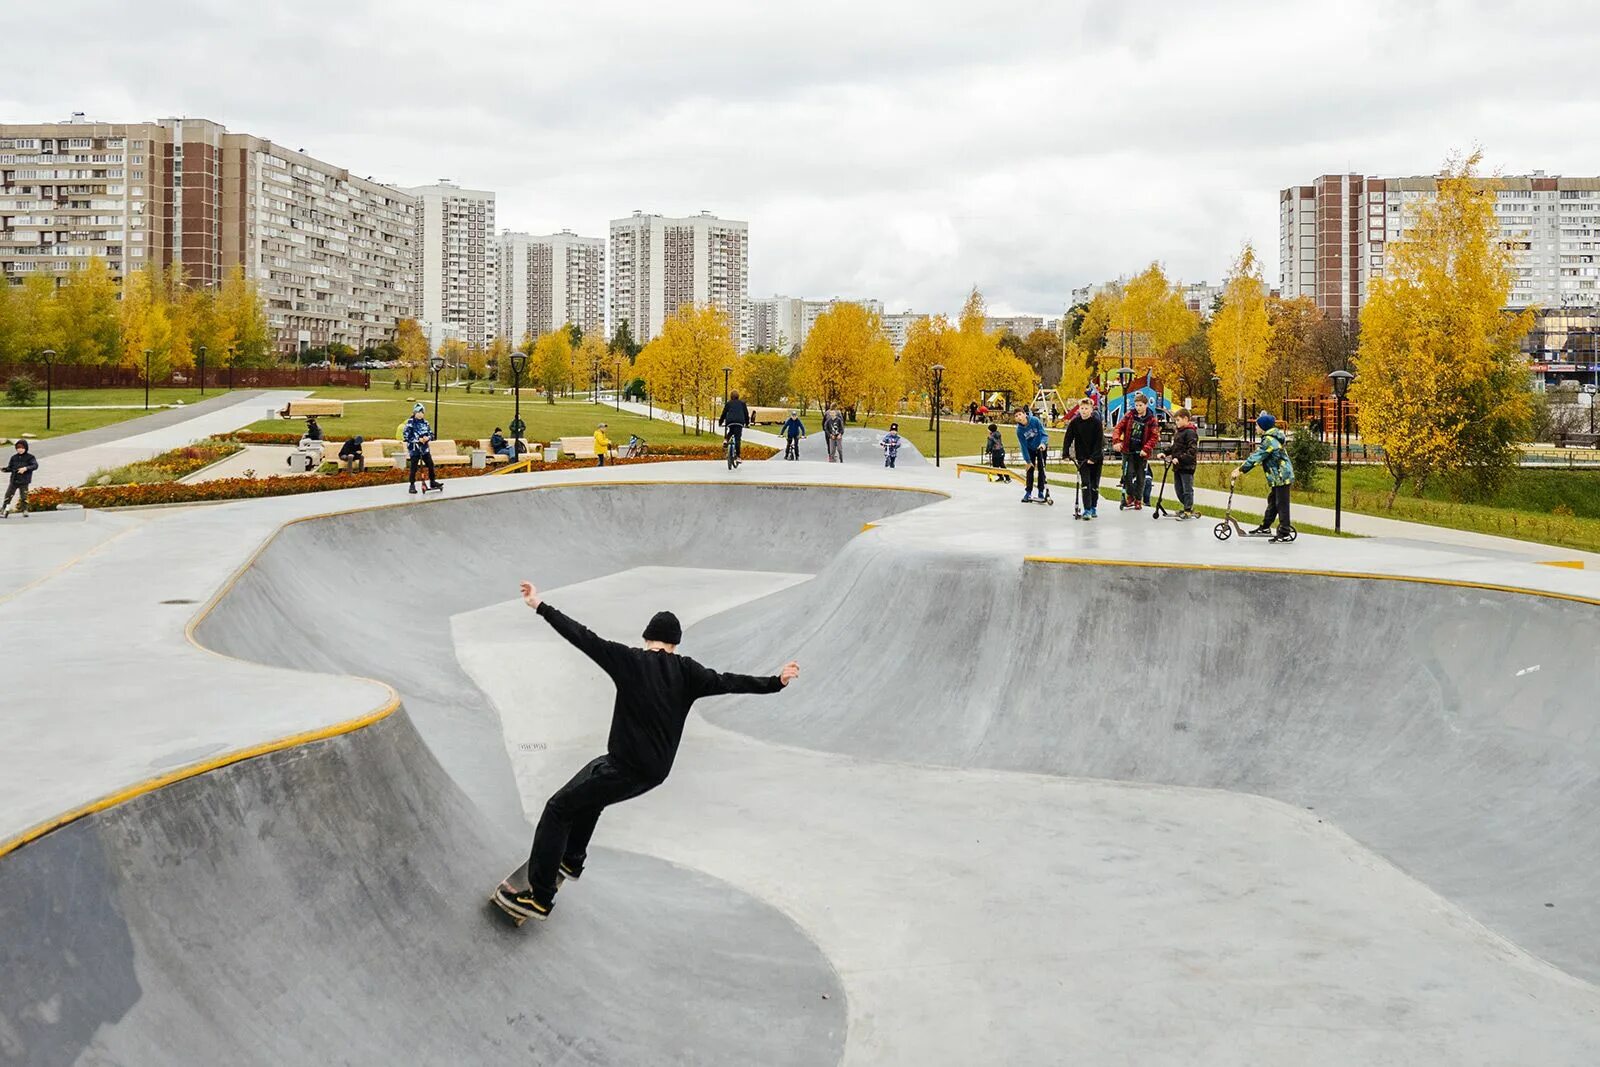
x=655 y=689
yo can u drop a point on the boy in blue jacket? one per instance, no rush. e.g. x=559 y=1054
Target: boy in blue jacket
x=793 y=431
x=1034 y=444
x=891 y=445
x=1272 y=455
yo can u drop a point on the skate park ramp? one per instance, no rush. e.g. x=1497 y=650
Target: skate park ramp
x=1454 y=731
x=860 y=449
x=327 y=903
x=1023 y=744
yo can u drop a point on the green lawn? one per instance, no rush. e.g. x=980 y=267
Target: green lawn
x=15 y=422
x=462 y=415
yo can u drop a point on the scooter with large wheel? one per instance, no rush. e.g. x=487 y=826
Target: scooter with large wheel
x=1230 y=525
x=1161 y=496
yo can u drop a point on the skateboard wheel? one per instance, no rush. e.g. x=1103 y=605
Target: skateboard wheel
x=1222 y=531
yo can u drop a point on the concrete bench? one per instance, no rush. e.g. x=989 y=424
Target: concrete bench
x=577 y=447
x=299 y=409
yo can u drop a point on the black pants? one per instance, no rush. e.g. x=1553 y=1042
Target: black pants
x=1089 y=483
x=1277 y=508
x=1183 y=483
x=569 y=818
x=737 y=431
x=1036 y=466
x=423 y=457
x=1133 y=480
x=14 y=488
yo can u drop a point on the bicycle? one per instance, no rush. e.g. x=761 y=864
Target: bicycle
x=635 y=448
x=731 y=445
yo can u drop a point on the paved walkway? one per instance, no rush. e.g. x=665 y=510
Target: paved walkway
x=69 y=460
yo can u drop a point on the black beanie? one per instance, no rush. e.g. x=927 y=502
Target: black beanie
x=664 y=627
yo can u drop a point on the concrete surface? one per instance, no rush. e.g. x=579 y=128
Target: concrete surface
x=158 y=418
x=971 y=827
x=68 y=466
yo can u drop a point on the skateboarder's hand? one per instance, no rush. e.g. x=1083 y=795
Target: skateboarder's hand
x=530 y=595
x=790 y=672
x=1234 y=476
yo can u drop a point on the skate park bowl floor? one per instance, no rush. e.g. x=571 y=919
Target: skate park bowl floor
x=1015 y=807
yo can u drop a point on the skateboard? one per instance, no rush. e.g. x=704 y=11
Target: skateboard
x=516 y=880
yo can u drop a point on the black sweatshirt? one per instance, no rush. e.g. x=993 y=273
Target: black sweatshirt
x=654 y=693
x=1085 y=439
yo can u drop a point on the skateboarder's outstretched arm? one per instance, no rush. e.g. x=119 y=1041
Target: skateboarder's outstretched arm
x=710 y=683
x=607 y=655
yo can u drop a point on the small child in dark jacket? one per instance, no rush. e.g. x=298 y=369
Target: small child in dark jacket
x=995 y=447
x=20 y=466
x=1184 y=455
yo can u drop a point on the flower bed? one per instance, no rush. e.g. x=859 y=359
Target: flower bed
x=119 y=496
x=687 y=451
x=168 y=466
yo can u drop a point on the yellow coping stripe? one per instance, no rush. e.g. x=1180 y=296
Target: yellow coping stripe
x=391 y=705
x=1574 y=564
x=1362 y=575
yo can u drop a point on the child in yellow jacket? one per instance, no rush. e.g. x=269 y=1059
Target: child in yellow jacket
x=602 y=445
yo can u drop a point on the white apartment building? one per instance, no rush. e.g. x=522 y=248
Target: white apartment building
x=659 y=264
x=774 y=323
x=898 y=324
x=1021 y=325
x=454 y=258
x=547 y=282
x=1332 y=236
x=330 y=252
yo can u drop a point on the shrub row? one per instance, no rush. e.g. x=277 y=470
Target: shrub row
x=117 y=496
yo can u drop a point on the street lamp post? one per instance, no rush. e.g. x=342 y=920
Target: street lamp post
x=617 y=384
x=1341 y=386
x=233 y=355
x=147 y=355
x=1124 y=375
x=1288 y=386
x=938 y=409
x=1216 y=395
x=436 y=365
x=727 y=372
x=519 y=362
x=1183 y=391
x=202 y=370
x=49 y=357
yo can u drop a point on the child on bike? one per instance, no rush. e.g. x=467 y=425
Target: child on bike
x=891 y=444
x=735 y=417
x=793 y=431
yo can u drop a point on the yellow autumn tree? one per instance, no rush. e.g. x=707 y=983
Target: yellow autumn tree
x=145 y=325
x=979 y=365
x=848 y=359
x=87 y=305
x=1148 y=319
x=550 y=364
x=1240 y=333
x=1442 y=385
x=930 y=342
x=413 y=345
x=1293 y=325
x=682 y=367
x=763 y=378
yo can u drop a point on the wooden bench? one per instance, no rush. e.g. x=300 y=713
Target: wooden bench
x=577 y=447
x=495 y=457
x=1003 y=474
x=445 y=454
x=372 y=452
x=299 y=409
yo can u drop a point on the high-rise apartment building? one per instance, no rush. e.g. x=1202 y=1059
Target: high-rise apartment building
x=1021 y=325
x=548 y=282
x=898 y=324
x=330 y=252
x=774 y=323
x=659 y=264
x=1332 y=236
x=454 y=259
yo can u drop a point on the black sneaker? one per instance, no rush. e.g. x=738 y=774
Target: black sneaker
x=565 y=871
x=1259 y=531
x=1279 y=539
x=413 y=489
x=523 y=902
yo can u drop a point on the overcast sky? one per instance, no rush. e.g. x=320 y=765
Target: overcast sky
x=899 y=150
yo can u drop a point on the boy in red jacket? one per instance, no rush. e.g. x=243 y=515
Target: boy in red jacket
x=1136 y=437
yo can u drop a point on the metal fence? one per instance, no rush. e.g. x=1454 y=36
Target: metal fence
x=103 y=376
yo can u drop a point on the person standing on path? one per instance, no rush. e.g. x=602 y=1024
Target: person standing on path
x=418 y=436
x=1085 y=445
x=1272 y=454
x=833 y=433
x=1034 y=444
x=1136 y=438
x=20 y=466
x=1184 y=455
x=656 y=687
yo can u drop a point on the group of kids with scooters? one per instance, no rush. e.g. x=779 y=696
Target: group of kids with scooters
x=1137 y=437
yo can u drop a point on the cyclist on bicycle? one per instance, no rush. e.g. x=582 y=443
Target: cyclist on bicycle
x=793 y=431
x=735 y=417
